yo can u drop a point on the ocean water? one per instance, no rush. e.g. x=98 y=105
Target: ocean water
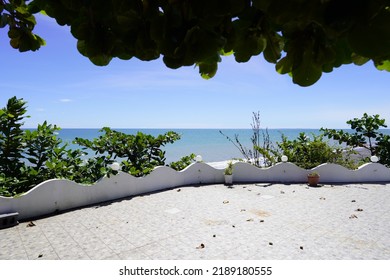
x=209 y=143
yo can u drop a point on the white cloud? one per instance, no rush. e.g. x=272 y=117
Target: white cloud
x=65 y=100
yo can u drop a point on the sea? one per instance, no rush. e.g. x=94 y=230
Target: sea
x=210 y=144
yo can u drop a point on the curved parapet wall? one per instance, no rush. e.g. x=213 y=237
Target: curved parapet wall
x=58 y=195
x=281 y=173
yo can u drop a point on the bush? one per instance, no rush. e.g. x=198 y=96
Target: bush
x=11 y=134
x=383 y=149
x=28 y=158
x=366 y=135
x=141 y=153
x=183 y=162
x=309 y=152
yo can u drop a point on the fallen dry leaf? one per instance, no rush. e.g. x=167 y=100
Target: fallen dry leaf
x=31 y=224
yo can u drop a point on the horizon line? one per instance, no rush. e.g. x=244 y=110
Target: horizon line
x=200 y=128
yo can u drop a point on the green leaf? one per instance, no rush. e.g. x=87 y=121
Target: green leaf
x=222 y=52
x=173 y=63
x=383 y=65
x=284 y=65
x=305 y=71
x=101 y=60
x=22 y=10
x=3 y=20
x=359 y=60
x=248 y=47
x=14 y=33
x=274 y=48
x=208 y=70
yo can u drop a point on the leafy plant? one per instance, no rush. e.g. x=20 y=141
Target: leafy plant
x=366 y=135
x=229 y=169
x=383 y=149
x=29 y=157
x=11 y=135
x=21 y=21
x=183 y=162
x=309 y=152
x=313 y=174
x=141 y=153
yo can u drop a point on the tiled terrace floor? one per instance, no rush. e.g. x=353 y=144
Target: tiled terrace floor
x=248 y=221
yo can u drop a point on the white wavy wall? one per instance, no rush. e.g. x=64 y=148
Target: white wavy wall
x=58 y=195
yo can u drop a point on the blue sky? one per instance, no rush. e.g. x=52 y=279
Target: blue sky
x=65 y=88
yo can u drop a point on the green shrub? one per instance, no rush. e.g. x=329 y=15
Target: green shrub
x=366 y=134
x=140 y=153
x=309 y=152
x=12 y=178
x=183 y=162
x=383 y=149
x=28 y=158
x=11 y=134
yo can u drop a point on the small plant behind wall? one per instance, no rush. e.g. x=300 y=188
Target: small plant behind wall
x=183 y=162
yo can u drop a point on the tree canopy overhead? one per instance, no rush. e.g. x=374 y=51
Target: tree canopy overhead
x=303 y=38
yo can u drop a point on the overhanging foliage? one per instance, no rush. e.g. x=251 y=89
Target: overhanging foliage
x=303 y=38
